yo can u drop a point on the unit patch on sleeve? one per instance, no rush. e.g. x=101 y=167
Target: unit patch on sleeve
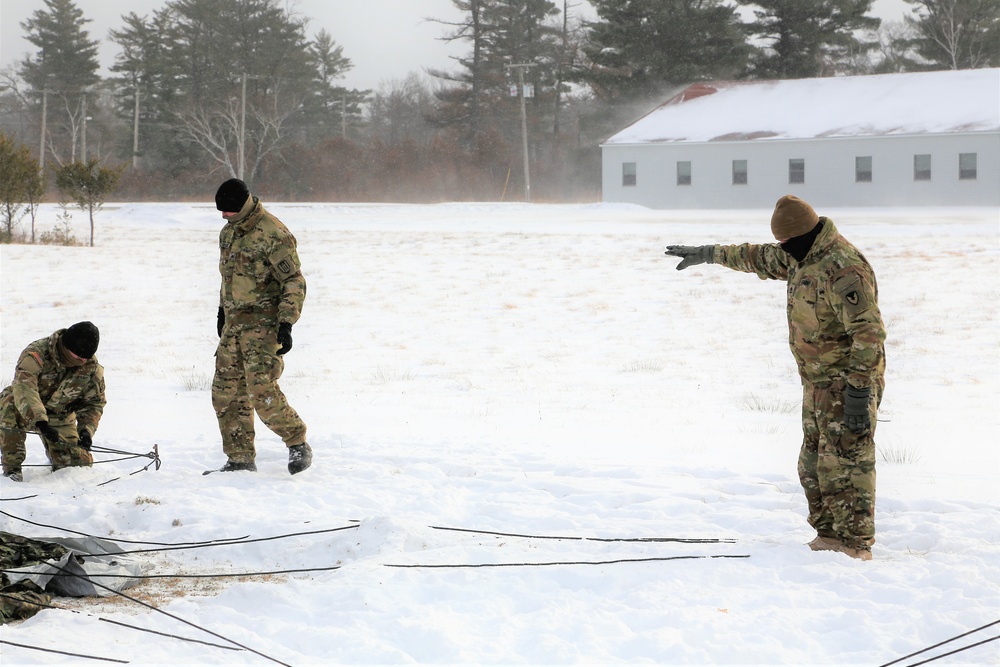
x=285 y=263
x=851 y=290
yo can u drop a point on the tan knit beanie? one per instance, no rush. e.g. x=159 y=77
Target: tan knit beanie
x=792 y=217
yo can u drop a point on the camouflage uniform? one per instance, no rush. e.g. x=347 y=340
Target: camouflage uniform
x=23 y=599
x=837 y=337
x=49 y=385
x=262 y=285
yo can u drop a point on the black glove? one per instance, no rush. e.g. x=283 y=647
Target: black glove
x=856 y=409
x=692 y=254
x=85 y=440
x=220 y=321
x=47 y=432
x=284 y=337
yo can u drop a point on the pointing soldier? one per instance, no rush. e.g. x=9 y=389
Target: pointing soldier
x=837 y=337
x=262 y=293
x=58 y=390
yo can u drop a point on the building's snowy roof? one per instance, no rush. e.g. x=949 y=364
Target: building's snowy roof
x=884 y=104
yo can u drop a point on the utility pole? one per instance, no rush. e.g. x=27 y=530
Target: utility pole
x=243 y=124
x=41 y=150
x=83 y=133
x=524 y=127
x=135 y=131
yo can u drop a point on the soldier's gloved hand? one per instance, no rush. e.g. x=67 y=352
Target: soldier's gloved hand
x=284 y=337
x=692 y=254
x=220 y=321
x=856 y=416
x=47 y=432
x=85 y=440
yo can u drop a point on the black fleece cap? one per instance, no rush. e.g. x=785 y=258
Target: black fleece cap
x=82 y=339
x=231 y=196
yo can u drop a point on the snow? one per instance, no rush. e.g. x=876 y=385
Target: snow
x=538 y=370
x=884 y=104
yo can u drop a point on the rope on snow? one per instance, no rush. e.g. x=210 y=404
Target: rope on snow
x=178 y=618
x=52 y=650
x=947 y=641
x=585 y=562
x=682 y=540
x=76 y=532
x=124 y=625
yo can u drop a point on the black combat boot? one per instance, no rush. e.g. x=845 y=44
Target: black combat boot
x=14 y=475
x=234 y=466
x=300 y=457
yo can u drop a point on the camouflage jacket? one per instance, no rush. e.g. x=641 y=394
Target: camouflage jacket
x=46 y=388
x=261 y=274
x=835 y=329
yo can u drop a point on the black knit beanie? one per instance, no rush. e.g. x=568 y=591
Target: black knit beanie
x=82 y=339
x=232 y=195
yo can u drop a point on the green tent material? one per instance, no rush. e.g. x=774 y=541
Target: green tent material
x=35 y=569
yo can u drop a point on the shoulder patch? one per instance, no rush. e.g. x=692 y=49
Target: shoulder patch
x=285 y=263
x=31 y=361
x=851 y=290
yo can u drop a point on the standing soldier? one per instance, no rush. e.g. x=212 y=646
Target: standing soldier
x=58 y=390
x=837 y=338
x=261 y=298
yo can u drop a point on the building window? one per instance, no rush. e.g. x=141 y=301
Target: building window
x=967 y=166
x=628 y=174
x=863 y=169
x=796 y=171
x=739 y=172
x=922 y=167
x=683 y=173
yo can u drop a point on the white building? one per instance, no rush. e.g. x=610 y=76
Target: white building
x=916 y=139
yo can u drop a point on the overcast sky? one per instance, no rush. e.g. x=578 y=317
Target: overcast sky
x=385 y=39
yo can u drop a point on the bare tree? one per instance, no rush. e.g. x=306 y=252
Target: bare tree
x=957 y=34
x=223 y=133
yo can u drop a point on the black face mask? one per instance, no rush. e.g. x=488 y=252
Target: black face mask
x=799 y=246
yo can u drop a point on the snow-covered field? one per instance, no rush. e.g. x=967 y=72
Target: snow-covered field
x=535 y=370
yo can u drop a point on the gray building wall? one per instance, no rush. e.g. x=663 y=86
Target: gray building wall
x=829 y=172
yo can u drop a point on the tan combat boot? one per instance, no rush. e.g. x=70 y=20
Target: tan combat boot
x=860 y=554
x=824 y=544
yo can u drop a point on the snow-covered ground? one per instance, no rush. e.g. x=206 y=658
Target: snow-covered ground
x=535 y=370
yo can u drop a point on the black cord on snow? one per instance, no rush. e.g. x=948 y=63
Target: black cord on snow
x=125 y=456
x=584 y=562
x=178 y=618
x=946 y=641
x=958 y=650
x=223 y=544
x=34 y=495
x=52 y=650
x=167 y=634
x=222 y=575
x=124 y=625
x=96 y=537
x=682 y=540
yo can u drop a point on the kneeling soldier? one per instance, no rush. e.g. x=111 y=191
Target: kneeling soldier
x=58 y=391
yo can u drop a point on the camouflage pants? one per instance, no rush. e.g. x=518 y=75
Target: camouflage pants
x=64 y=453
x=246 y=381
x=837 y=467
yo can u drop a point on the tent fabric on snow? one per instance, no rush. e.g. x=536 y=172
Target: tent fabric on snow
x=32 y=565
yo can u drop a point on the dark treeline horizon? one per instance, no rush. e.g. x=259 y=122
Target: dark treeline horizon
x=203 y=90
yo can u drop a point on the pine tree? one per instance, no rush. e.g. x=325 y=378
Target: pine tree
x=808 y=38
x=142 y=70
x=221 y=46
x=500 y=33
x=334 y=109
x=641 y=48
x=64 y=68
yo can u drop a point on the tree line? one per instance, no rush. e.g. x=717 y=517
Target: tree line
x=203 y=90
